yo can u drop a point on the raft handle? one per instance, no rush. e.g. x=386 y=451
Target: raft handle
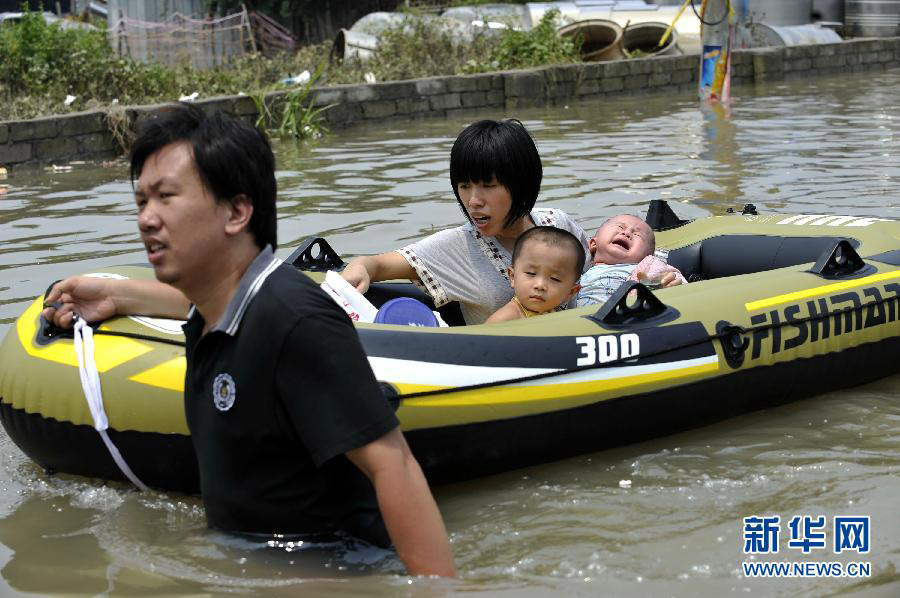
x=624 y=309
x=661 y=217
x=48 y=331
x=840 y=261
x=748 y=208
x=391 y=394
x=315 y=255
x=734 y=344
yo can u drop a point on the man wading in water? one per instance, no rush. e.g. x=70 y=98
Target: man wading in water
x=291 y=430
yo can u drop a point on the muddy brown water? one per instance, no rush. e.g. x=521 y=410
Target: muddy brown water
x=657 y=518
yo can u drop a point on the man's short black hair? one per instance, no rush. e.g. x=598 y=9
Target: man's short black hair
x=232 y=158
x=552 y=236
x=502 y=149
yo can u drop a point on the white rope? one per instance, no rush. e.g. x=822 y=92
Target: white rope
x=90 y=383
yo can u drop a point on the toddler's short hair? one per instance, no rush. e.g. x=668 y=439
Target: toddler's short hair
x=552 y=236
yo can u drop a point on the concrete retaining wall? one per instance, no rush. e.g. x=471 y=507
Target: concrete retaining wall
x=88 y=136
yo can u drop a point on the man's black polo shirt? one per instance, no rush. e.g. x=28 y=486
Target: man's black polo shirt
x=275 y=393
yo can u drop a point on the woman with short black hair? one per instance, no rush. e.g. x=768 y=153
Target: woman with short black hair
x=495 y=172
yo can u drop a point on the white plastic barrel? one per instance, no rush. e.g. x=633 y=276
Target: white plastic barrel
x=353 y=44
x=872 y=18
x=763 y=34
x=600 y=39
x=643 y=38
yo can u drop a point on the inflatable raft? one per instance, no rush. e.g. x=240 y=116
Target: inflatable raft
x=779 y=307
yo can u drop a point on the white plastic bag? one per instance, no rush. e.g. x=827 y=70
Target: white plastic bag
x=352 y=301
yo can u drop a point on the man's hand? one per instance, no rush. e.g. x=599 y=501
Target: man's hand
x=97 y=299
x=409 y=511
x=87 y=296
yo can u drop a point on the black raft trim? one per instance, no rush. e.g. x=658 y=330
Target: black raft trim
x=888 y=257
x=163 y=461
x=457 y=453
x=657 y=344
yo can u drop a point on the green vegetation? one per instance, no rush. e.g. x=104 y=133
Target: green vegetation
x=43 y=63
x=475 y=2
x=523 y=49
x=292 y=115
x=294 y=8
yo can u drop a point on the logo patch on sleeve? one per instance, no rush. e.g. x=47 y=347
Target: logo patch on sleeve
x=224 y=392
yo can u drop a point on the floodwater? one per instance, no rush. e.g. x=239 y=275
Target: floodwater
x=656 y=518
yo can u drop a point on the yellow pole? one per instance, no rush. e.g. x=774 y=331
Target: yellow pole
x=702 y=15
x=668 y=32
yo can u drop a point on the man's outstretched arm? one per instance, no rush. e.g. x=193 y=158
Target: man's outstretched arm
x=96 y=299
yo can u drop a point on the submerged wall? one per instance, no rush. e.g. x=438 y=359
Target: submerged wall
x=88 y=135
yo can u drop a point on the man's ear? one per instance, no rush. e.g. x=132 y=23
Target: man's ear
x=240 y=210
